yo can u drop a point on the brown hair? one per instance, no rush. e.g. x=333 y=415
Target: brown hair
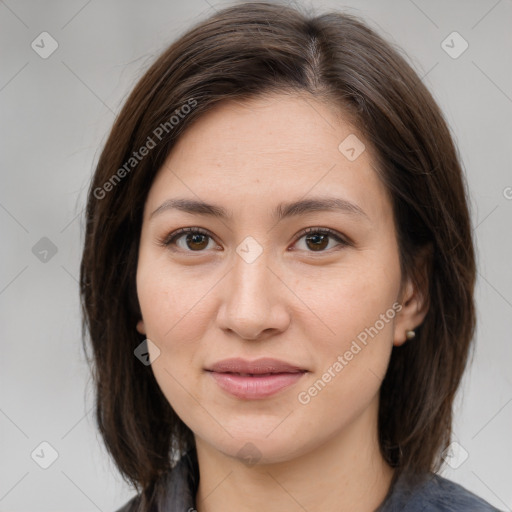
x=240 y=52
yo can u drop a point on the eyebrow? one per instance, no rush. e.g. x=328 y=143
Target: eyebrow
x=280 y=212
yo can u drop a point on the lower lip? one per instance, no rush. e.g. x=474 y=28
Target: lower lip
x=257 y=387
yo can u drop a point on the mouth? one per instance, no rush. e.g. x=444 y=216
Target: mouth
x=253 y=380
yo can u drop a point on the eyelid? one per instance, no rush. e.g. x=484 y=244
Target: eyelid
x=342 y=240
x=339 y=237
x=171 y=237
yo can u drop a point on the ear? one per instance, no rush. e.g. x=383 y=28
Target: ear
x=414 y=298
x=140 y=327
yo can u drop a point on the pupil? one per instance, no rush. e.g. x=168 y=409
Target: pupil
x=195 y=238
x=317 y=238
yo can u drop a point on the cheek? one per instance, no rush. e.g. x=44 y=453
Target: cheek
x=352 y=362
x=169 y=302
x=352 y=332
x=173 y=307
x=343 y=302
x=172 y=318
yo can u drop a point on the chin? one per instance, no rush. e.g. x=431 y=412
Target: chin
x=254 y=446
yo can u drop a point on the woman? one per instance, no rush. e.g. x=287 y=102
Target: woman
x=278 y=274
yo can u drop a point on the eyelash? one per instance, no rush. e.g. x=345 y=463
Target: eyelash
x=171 y=238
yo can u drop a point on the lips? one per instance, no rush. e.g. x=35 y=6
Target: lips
x=254 y=379
x=259 y=367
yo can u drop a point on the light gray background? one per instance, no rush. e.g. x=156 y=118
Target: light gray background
x=55 y=115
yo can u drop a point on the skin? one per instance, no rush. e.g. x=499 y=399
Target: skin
x=292 y=303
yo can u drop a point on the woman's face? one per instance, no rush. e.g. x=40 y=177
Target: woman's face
x=252 y=285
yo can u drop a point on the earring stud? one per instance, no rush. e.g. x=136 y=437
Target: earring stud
x=410 y=334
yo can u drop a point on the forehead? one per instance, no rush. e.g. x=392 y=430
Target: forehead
x=269 y=149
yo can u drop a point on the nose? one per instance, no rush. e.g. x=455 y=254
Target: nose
x=255 y=301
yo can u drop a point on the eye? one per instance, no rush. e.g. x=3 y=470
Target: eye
x=317 y=239
x=196 y=239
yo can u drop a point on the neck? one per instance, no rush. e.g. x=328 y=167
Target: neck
x=346 y=472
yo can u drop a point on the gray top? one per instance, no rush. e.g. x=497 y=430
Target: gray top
x=177 y=490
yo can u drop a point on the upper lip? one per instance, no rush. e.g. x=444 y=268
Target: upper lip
x=256 y=367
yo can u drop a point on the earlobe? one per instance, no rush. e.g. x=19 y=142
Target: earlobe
x=140 y=327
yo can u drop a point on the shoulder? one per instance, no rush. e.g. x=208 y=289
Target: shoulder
x=446 y=495
x=436 y=494
x=174 y=490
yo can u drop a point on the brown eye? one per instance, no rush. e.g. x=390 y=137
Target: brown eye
x=317 y=239
x=194 y=239
x=197 y=239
